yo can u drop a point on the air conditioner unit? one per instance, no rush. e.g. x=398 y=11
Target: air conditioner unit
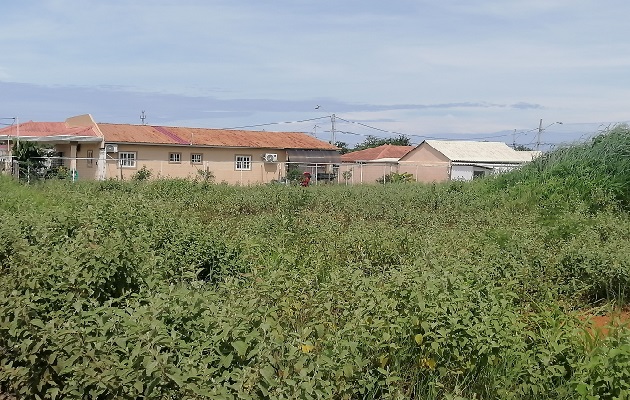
x=269 y=157
x=111 y=148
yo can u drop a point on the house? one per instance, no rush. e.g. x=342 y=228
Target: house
x=370 y=165
x=102 y=150
x=441 y=160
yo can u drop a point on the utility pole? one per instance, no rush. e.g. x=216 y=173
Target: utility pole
x=540 y=129
x=332 y=121
x=514 y=139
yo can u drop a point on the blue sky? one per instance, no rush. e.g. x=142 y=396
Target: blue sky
x=440 y=69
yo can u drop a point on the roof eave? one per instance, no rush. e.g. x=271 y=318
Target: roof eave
x=53 y=139
x=214 y=146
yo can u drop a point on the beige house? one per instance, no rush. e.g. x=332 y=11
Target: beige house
x=98 y=151
x=441 y=160
x=371 y=165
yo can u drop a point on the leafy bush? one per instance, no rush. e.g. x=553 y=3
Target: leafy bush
x=179 y=289
x=395 y=177
x=142 y=174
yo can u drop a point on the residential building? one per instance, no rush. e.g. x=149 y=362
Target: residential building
x=371 y=165
x=101 y=151
x=441 y=160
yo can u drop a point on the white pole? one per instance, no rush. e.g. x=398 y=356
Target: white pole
x=540 y=129
x=332 y=122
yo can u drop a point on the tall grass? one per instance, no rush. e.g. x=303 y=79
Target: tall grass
x=594 y=172
x=176 y=289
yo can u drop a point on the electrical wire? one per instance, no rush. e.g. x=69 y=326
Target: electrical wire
x=277 y=123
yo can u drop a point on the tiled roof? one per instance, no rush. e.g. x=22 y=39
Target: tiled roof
x=386 y=151
x=47 y=129
x=489 y=152
x=125 y=133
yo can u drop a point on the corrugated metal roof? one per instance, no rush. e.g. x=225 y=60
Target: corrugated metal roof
x=490 y=152
x=46 y=129
x=125 y=133
x=386 y=151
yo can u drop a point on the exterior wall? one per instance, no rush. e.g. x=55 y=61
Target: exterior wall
x=5 y=157
x=84 y=170
x=87 y=167
x=218 y=161
x=501 y=168
x=426 y=164
x=462 y=172
x=468 y=172
x=366 y=172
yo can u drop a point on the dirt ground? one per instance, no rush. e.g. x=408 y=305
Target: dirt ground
x=603 y=323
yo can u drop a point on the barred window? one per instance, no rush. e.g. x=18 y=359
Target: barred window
x=174 y=157
x=196 y=158
x=243 y=163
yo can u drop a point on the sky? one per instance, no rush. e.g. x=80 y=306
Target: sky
x=499 y=70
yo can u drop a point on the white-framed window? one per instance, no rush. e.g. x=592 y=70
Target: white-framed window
x=174 y=157
x=90 y=157
x=127 y=159
x=243 y=163
x=196 y=158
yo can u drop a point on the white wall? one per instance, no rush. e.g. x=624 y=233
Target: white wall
x=461 y=172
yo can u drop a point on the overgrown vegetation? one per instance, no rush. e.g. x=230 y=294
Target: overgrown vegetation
x=178 y=289
x=395 y=177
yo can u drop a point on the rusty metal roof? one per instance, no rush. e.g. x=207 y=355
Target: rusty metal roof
x=386 y=151
x=164 y=135
x=125 y=133
x=46 y=130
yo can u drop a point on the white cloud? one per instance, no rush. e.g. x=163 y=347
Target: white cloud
x=265 y=61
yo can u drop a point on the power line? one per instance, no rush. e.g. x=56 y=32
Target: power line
x=277 y=123
x=372 y=127
x=424 y=137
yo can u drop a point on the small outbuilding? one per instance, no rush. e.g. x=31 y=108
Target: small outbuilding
x=441 y=160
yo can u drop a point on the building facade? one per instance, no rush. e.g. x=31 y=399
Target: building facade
x=98 y=151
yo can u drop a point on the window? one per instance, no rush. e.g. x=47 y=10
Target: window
x=196 y=158
x=243 y=163
x=57 y=160
x=127 y=159
x=174 y=157
x=90 y=157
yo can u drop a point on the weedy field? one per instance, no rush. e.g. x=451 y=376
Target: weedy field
x=175 y=289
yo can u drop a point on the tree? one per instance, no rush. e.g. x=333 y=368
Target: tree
x=343 y=146
x=31 y=159
x=373 y=141
x=522 y=147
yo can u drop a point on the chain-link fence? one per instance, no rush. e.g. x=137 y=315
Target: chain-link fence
x=37 y=169
x=250 y=173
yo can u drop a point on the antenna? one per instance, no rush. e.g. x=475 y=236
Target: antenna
x=315 y=130
x=143 y=117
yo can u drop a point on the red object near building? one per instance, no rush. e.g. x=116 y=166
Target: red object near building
x=306 y=180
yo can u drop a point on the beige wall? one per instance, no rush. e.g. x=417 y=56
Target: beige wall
x=85 y=171
x=426 y=164
x=81 y=120
x=366 y=173
x=219 y=161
